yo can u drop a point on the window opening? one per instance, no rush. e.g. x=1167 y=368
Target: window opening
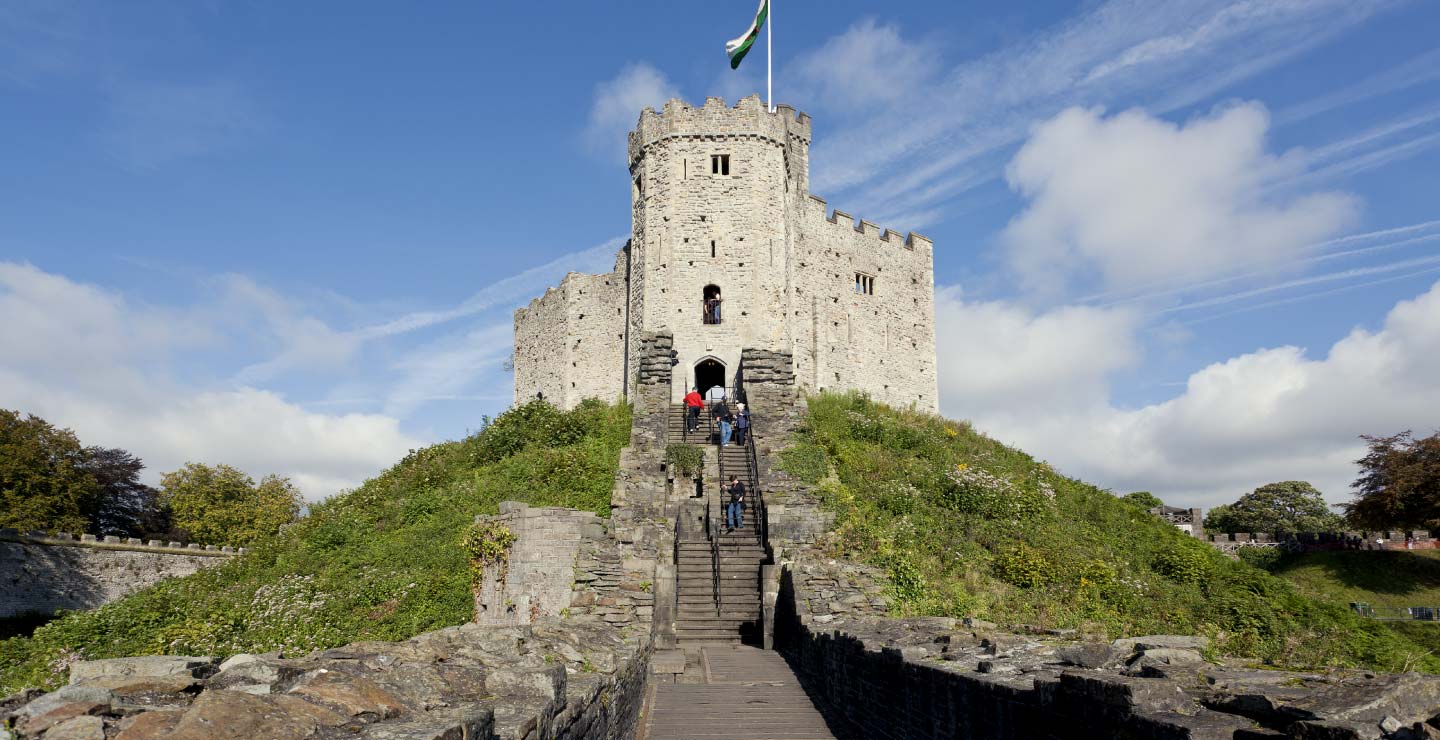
x=864 y=284
x=712 y=247
x=719 y=164
x=710 y=304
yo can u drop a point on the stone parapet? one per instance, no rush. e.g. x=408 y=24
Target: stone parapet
x=932 y=677
x=713 y=120
x=112 y=542
x=41 y=573
x=1323 y=541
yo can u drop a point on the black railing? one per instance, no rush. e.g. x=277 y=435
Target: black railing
x=710 y=311
x=715 y=564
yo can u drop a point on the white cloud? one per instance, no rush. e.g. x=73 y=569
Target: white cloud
x=868 y=64
x=89 y=359
x=1272 y=414
x=995 y=356
x=923 y=147
x=1139 y=199
x=618 y=102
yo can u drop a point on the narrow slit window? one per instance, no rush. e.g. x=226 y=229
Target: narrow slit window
x=712 y=247
x=720 y=164
x=864 y=284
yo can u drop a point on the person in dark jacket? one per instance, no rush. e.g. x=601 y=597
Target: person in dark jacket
x=734 y=511
x=742 y=424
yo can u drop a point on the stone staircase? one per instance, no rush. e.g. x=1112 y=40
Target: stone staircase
x=736 y=617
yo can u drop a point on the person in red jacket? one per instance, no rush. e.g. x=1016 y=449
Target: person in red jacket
x=693 y=404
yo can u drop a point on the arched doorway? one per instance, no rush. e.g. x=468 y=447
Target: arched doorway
x=709 y=373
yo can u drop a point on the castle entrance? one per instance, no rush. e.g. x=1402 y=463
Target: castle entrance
x=709 y=372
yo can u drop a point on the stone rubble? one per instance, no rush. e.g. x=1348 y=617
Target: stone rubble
x=554 y=678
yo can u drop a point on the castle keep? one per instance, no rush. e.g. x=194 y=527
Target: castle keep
x=721 y=210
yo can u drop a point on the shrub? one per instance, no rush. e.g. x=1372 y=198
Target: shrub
x=1183 y=564
x=1025 y=567
x=685 y=460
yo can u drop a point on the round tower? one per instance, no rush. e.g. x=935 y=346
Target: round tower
x=713 y=194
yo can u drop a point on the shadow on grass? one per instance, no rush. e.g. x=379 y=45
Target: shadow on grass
x=22 y=625
x=1392 y=573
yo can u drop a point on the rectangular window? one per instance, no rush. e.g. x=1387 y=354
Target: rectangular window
x=719 y=164
x=864 y=283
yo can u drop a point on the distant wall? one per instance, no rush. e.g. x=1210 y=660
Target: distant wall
x=1318 y=541
x=41 y=573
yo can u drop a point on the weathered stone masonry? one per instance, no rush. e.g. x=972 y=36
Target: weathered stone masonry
x=720 y=197
x=40 y=573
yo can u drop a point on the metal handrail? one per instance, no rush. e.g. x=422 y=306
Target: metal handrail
x=715 y=567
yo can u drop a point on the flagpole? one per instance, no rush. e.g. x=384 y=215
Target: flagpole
x=769 y=57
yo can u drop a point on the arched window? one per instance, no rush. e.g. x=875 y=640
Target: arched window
x=710 y=304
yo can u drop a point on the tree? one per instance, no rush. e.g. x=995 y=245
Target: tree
x=223 y=506
x=125 y=506
x=43 y=480
x=1399 y=483
x=1143 y=499
x=1280 y=508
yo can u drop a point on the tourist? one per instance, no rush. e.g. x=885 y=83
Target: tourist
x=742 y=424
x=693 y=404
x=736 y=508
x=727 y=426
x=715 y=312
x=715 y=394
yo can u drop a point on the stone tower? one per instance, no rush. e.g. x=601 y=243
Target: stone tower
x=721 y=208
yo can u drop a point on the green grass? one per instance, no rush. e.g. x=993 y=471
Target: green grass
x=382 y=562
x=967 y=526
x=1395 y=579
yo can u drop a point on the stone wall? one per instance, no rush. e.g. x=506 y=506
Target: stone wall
x=1321 y=541
x=777 y=411
x=563 y=562
x=930 y=678
x=40 y=573
x=570 y=342
x=881 y=342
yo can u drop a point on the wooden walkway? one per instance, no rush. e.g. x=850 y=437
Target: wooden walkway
x=748 y=694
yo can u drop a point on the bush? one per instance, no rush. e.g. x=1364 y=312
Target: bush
x=1187 y=565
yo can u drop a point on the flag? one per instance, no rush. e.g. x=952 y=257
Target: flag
x=738 y=48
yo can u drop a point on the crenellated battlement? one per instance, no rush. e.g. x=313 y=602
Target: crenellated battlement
x=714 y=120
x=112 y=542
x=840 y=218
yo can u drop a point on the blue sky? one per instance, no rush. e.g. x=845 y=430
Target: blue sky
x=1190 y=247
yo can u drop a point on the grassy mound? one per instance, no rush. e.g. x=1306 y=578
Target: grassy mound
x=968 y=526
x=382 y=562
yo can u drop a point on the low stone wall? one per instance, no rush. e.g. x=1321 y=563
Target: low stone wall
x=554 y=679
x=880 y=678
x=40 y=573
x=1323 y=541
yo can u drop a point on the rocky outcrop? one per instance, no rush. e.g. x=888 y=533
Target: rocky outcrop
x=575 y=678
x=931 y=677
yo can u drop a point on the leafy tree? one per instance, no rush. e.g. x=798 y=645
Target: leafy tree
x=44 y=483
x=1399 y=483
x=1144 y=499
x=1284 y=507
x=220 y=505
x=125 y=506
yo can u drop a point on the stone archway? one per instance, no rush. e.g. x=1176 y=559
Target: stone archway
x=709 y=372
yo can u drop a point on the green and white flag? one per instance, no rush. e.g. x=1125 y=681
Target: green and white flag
x=738 y=48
